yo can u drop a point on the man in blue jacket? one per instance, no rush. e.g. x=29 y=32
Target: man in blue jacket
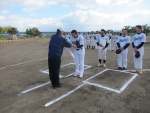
x=56 y=45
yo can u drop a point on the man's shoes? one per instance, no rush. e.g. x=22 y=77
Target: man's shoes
x=119 y=68
x=99 y=65
x=135 y=70
x=59 y=86
x=76 y=74
x=140 y=71
x=104 y=65
x=124 y=68
x=81 y=75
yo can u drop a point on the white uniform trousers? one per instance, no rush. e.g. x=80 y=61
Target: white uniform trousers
x=102 y=53
x=109 y=46
x=79 y=60
x=93 y=42
x=88 y=42
x=138 y=63
x=96 y=46
x=114 y=45
x=122 y=58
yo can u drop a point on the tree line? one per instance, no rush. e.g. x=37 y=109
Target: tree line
x=35 y=32
x=131 y=29
x=12 y=30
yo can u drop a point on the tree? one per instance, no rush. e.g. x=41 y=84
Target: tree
x=146 y=28
x=33 y=31
x=133 y=29
x=0 y=29
x=12 y=30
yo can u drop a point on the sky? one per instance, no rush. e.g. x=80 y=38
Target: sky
x=82 y=15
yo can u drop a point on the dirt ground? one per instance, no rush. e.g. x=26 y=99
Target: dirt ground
x=87 y=99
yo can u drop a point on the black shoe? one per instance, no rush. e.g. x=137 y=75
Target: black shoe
x=59 y=86
x=124 y=68
x=119 y=68
x=112 y=50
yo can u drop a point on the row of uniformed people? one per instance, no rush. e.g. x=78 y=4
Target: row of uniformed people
x=57 y=43
x=120 y=42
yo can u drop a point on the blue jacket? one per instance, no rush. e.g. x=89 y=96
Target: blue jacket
x=56 y=45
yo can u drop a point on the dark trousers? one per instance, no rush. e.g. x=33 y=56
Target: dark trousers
x=54 y=68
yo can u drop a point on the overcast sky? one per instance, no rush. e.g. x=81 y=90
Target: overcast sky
x=82 y=15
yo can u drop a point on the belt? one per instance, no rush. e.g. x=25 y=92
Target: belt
x=78 y=49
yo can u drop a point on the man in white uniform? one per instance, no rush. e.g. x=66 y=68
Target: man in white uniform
x=93 y=40
x=114 y=43
x=77 y=42
x=84 y=37
x=138 y=42
x=67 y=37
x=88 y=41
x=96 y=35
x=110 y=36
x=123 y=43
x=102 y=42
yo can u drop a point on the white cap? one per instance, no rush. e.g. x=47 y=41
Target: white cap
x=61 y=29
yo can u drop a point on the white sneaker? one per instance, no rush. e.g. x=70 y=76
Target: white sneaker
x=81 y=75
x=99 y=65
x=140 y=71
x=76 y=74
x=104 y=65
x=135 y=70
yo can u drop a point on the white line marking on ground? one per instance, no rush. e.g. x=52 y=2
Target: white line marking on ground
x=146 y=70
x=33 y=88
x=101 y=86
x=71 y=54
x=63 y=96
x=22 y=63
x=107 y=88
x=97 y=74
x=28 y=90
x=128 y=82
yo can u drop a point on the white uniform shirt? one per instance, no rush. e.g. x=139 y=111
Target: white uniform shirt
x=79 y=39
x=87 y=37
x=92 y=36
x=109 y=35
x=104 y=38
x=123 y=40
x=97 y=35
x=138 y=39
x=114 y=38
x=67 y=37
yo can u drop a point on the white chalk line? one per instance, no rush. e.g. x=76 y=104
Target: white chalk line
x=33 y=88
x=101 y=86
x=63 y=96
x=22 y=63
x=127 y=83
x=71 y=54
x=110 y=89
x=28 y=90
x=97 y=74
x=133 y=70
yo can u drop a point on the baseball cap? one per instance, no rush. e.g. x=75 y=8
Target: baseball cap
x=137 y=54
x=60 y=29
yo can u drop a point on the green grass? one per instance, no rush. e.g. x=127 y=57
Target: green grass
x=2 y=37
